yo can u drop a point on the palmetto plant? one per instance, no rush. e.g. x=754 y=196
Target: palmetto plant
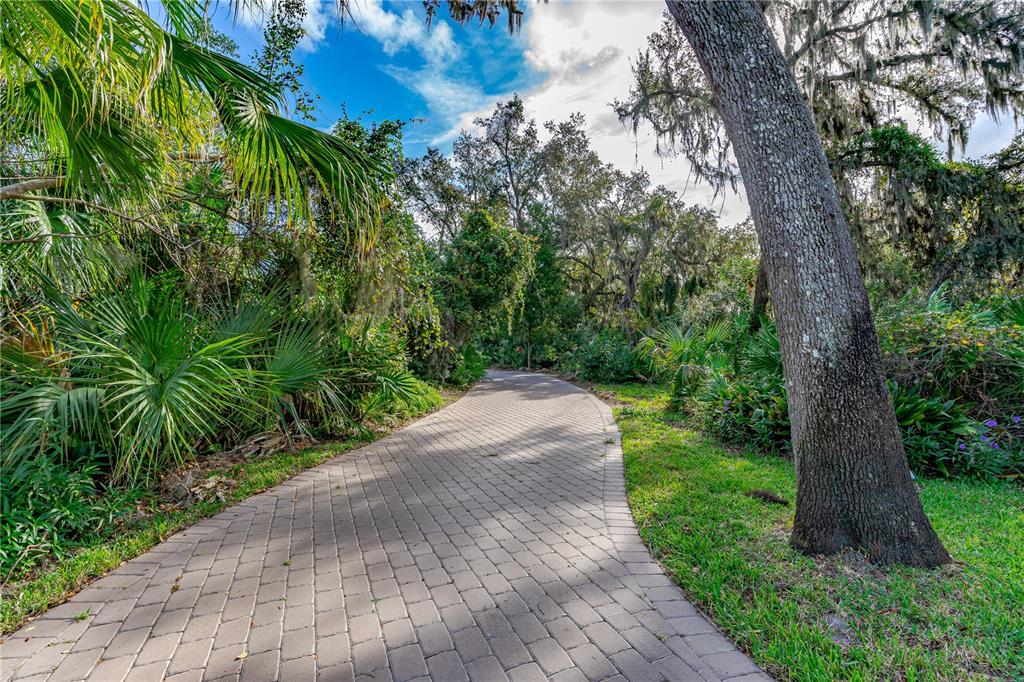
x=690 y=355
x=99 y=101
x=761 y=354
x=143 y=375
x=131 y=374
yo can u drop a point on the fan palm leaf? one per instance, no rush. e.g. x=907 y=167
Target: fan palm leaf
x=164 y=386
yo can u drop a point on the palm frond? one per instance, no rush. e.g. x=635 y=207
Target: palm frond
x=110 y=98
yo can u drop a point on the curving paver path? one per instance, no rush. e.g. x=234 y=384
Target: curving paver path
x=488 y=541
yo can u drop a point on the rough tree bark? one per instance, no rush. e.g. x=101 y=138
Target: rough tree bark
x=853 y=484
x=760 y=303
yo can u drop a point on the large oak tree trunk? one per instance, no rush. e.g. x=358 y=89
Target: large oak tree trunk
x=854 y=488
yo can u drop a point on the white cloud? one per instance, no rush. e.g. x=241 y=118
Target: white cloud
x=396 y=32
x=446 y=97
x=584 y=50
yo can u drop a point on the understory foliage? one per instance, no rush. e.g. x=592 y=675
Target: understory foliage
x=633 y=285
x=189 y=274
x=629 y=284
x=955 y=382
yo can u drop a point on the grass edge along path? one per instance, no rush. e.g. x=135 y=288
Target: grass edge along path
x=70 y=574
x=824 y=618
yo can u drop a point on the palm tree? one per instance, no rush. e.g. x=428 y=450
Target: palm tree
x=98 y=103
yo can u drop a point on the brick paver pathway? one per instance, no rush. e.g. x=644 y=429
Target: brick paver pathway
x=488 y=541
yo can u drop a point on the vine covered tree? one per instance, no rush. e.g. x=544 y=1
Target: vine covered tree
x=485 y=273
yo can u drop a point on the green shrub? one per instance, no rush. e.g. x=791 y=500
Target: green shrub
x=604 y=357
x=471 y=368
x=932 y=429
x=102 y=395
x=974 y=355
x=48 y=504
x=750 y=410
x=729 y=294
x=135 y=373
x=689 y=357
x=422 y=398
x=146 y=375
x=996 y=451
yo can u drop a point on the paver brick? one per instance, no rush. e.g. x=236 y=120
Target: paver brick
x=398 y=633
x=464 y=546
x=369 y=656
x=434 y=639
x=646 y=643
x=528 y=628
x=591 y=662
x=636 y=668
x=407 y=663
x=363 y=628
x=262 y=667
x=510 y=650
x=299 y=669
x=606 y=638
x=447 y=666
x=470 y=644
x=486 y=670
x=550 y=655
x=528 y=672
x=424 y=613
x=731 y=664
x=159 y=648
x=331 y=651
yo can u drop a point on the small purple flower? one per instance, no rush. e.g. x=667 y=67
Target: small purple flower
x=991 y=423
x=1016 y=419
x=962 y=446
x=985 y=438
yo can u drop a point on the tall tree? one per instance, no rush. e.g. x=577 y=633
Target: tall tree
x=429 y=188
x=515 y=146
x=854 y=487
x=860 y=65
x=281 y=35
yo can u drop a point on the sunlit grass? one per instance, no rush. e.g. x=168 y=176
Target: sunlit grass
x=823 y=619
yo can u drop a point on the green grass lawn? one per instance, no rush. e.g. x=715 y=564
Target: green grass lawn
x=101 y=554
x=826 y=618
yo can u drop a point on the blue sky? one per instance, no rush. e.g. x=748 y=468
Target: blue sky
x=385 y=63
x=570 y=56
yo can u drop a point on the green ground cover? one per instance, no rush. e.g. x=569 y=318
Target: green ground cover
x=822 y=619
